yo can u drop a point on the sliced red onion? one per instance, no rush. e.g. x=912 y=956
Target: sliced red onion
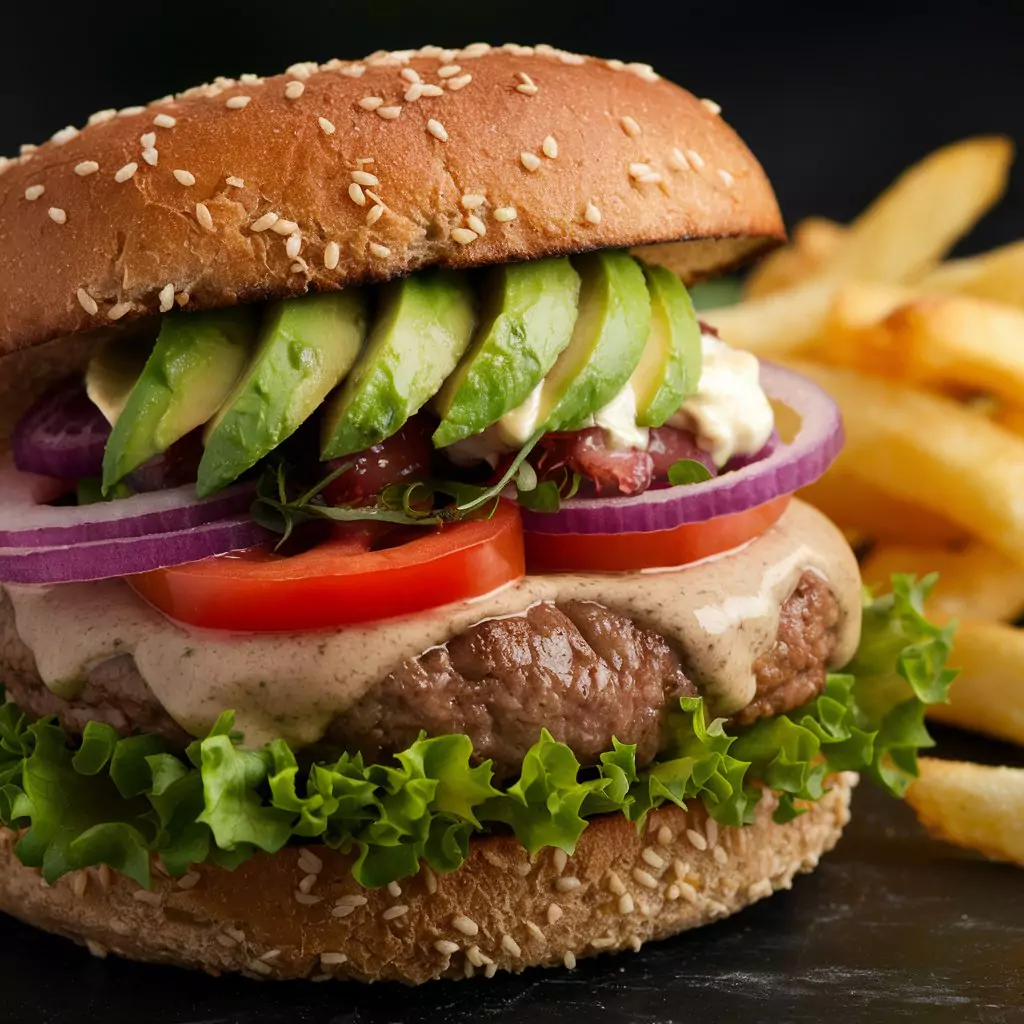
x=788 y=468
x=25 y=523
x=62 y=435
x=742 y=461
x=77 y=563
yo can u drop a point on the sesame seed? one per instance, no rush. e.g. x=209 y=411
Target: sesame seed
x=534 y=930
x=153 y=899
x=165 y=121
x=150 y=156
x=555 y=913
x=268 y=220
x=711 y=831
x=33 y=192
x=166 y=298
x=569 y=960
x=353 y=900
x=681 y=870
x=86 y=167
x=186 y=178
x=567 y=884
x=57 y=215
x=694 y=158
x=626 y=904
x=471 y=201
x=672 y=892
x=525 y=79
x=238 y=102
x=182 y=298
x=235 y=182
x=389 y=113
x=284 y=227
x=414 y=92
x=476 y=958
x=523 y=868
x=437 y=130
x=464 y=235
x=293 y=245
x=638 y=170
x=395 y=912
x=476 y=224
x=760 y=889
x=714 y=107
x=696 y=839
x=65 y=135
x=96 y=949
x=371 y=102
x=604 y=943
x=250 y=79
x=721 y=857
x=428 y=89
x=468 y=970
x=649 y=179
x=87 y=302
x=204 y=217
x=615 y=65
x=374 y=214
x=333 y=959
x=727 y=179
x=394 y=889
x=343 y=911
x=592 y=214
x=430 y=879
x=653 y=858
x=370 y=194
x=294 y=89
x=645 y=878
x=147 y=140
x=615 y=884
x=665 y=836
x=530 y=161
x=126 y=172
x=365 y=178
x=503 y=214
x=475 y=50
x=332 y=255
x=104 y=875
x=550 y=147
x=410 y=74
x=327 y=126
x=466 y=925
x=356 y=194
x=687 y=891
x=510 y=946
x=629 y=126
x=80 y=883
x=449 y=70
x=455 y=84
x=300 y=266
x=644 y=71
x=306 y=900
x=527 y=90
x=446 y=946
x=353 y=70
x=102 y=116
x=27 y=148
x=259 y=967
x=225 y=940
x=307 y=883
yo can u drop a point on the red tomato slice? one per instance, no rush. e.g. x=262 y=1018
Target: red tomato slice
x=343 y=581
x=626 y=552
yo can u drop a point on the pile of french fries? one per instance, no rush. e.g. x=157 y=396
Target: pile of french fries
x=925 y=357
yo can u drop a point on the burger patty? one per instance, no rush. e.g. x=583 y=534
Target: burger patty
x=578 y=668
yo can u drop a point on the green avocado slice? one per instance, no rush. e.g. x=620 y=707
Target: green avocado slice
x=421 y=330
x=306 y=347
x=528 y=313
x=669 y=370
x=194 y=365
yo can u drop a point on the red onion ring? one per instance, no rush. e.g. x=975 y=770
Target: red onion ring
x=103 y=559
x=788 y=468
x=62 y=435
x=25 y=523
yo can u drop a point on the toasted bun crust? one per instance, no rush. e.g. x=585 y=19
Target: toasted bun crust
x=618 y=891
x=110 y=222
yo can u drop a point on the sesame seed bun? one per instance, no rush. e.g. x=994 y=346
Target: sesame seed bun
x=619 y=890
x=350 y=172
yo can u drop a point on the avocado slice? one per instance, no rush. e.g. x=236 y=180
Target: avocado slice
x=422 y=329
x=306 y=347
x=607 y=343
x=528 y=313
x=191 y=370
x=669 y=370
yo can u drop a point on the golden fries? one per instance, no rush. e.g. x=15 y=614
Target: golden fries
x=973 y=806
x=988 y=695
x=974 y=580
x=814 y=241
x=997 y=275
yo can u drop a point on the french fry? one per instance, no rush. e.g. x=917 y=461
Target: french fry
x=813 y=241
x=997 y=275
x=974 y=580
x=988 y=695
x=931 y=452
x=861 y=510
x=953 y=342
x=972 y=805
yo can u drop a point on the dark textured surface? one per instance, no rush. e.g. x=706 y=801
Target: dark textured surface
x=892 y=927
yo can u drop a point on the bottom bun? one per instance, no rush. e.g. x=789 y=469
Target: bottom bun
x=300 y=914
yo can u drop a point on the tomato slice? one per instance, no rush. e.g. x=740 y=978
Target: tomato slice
x=627 y=552
x=342 y=581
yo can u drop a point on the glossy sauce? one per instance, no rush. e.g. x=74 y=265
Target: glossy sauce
x=723 y=613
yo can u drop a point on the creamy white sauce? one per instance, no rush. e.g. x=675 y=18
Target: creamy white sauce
x=618 y=421
x=730 y=414
x=723 y=613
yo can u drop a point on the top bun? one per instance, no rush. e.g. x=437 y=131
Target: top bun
x=548 y=152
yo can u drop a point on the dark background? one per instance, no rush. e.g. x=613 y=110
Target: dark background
x=835 y=98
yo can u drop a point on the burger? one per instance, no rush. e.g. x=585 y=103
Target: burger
x=397 y=579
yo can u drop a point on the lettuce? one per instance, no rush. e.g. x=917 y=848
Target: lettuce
x=116 y=801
